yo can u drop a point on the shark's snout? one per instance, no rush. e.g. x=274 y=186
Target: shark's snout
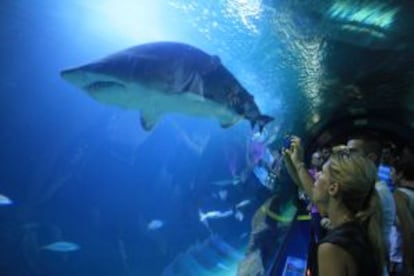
x=74 y=76
x=66 y=74
x=89 y=80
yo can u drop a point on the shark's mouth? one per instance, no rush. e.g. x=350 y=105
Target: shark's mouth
x=101 y=85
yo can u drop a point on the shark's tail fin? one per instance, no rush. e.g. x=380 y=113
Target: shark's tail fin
x=261 y=121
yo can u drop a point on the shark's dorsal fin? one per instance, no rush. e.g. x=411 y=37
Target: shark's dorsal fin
x=149 y=119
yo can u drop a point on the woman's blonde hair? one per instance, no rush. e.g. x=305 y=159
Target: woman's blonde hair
x=356 y=175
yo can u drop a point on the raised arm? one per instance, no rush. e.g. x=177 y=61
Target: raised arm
x=296 y=167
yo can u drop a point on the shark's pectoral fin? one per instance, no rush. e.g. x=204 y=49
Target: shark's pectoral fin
x=228 y=123
x=149 y=119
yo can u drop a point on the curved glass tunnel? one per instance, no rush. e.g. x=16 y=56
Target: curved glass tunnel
x=91 y=192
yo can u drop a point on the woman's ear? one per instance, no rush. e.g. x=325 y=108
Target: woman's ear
x=333 y=189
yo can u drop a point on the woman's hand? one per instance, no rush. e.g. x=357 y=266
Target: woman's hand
x=295 y=153
x=288 y=157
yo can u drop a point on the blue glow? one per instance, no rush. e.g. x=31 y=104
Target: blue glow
x=129 y=20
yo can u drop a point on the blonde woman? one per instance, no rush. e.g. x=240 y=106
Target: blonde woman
x=346 y=189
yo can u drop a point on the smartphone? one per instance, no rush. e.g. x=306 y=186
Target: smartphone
x=287 y=142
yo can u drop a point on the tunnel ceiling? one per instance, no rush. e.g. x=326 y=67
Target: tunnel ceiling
x=368 y=86
x=363 y=72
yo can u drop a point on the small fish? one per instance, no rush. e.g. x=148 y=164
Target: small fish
x=243 y=203
x=214 y=214
x=4 y=200
x=239 y=215
x=62 y=246
x=155 y=224
x=223 y=194
x=227 y=182
x=223 y=266
x=204 y=217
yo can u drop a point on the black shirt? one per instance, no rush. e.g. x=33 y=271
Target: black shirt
x=353 y=239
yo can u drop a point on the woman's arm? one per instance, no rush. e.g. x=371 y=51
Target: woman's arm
x=294 y=163
x=335 y=261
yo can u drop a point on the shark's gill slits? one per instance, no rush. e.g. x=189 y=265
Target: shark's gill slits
x=99 y=85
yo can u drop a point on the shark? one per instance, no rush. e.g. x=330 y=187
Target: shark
x=164 y=77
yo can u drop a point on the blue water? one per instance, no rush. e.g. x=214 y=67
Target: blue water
x=87 y=173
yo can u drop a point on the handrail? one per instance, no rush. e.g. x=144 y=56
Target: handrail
x=282 y=247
